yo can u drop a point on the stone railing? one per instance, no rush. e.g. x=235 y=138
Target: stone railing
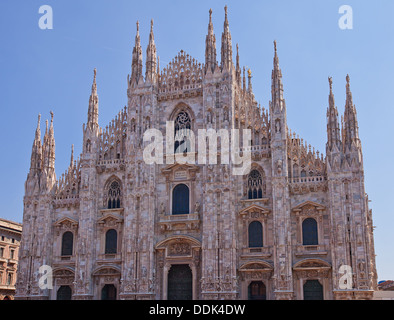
x=111 y=164
x=308 y=179
x=172 y=222
x=308 y=250
x=302 y=185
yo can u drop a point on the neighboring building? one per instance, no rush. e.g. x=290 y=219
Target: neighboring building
x=10 y=237
x=386 y=285
x=385 y=290
x=116 y=227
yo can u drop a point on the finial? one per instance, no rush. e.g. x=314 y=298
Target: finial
x=39 y=119
x=95 y=73
x=275 y=46
x=347 y=79
x=225 y=11
x=51 y=112
x=330 y=82
x=138 y=26
x=151 y=25
x=72 y=155
x=210 y=15
x=249 y=73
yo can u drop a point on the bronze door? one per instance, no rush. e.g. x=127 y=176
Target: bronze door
x=180 y=283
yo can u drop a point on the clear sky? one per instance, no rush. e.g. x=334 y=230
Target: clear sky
x=43 y=70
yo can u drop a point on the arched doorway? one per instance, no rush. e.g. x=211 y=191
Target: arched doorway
x=257 y=291
x=64 y=293
x=180 y=282
x=313 y=290
x=108 y=292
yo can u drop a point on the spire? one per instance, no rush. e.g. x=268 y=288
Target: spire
x=36 y=152
x=210 y=47
x=151 y=63
x=136 y=66
x=238 y=69
x=244 y=80
x=227 y=50
x=49 y=146
x=333 y=130
x=72 y=156
x=93 y=104
x=350 y=123
x=276 y=84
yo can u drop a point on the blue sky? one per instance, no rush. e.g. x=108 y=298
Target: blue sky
x=43 y=70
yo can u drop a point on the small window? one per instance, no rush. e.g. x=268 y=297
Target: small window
x=255 y=232
x=9 y=279
x=180 y=199
x=309 y=232
x=111 y=241
x=67 y=243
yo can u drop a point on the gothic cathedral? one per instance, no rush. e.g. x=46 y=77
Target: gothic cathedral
x=295 y=226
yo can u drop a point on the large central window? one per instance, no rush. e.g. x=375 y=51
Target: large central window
x=182 y=129
x=255 y=185
x=113 y=195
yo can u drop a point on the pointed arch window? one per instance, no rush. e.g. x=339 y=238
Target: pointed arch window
x=67 y=243
x=182 y=131
x=255 y=185
x=309 y=232
x=114 y=195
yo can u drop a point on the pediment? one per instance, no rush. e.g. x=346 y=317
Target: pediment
x=107 y=270
x=308 y=264
x=194 y=243
x=66 y=222
x=63 y=271
x=179 y=171
x=109 y=218
x=307 y=206
x=256 y=266
x=254 y=208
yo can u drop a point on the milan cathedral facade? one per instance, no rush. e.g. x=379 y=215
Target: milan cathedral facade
x=295 y=226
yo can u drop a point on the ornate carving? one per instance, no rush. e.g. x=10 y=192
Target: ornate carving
x=179 y=249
